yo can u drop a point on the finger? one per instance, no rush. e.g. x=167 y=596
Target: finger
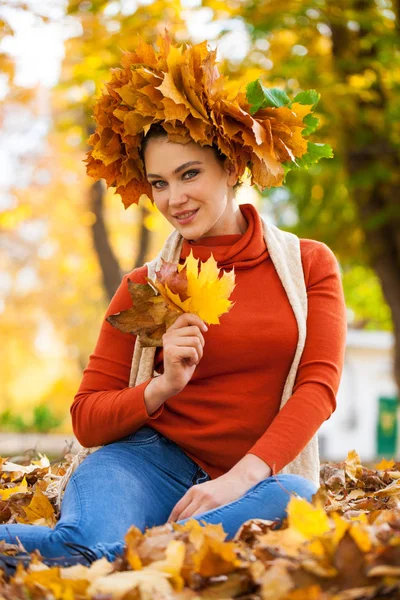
x=188 y=319
x=183 y=352
x=173 y=347
x=192 y=331
x=180 y=506
x=191 y=510
x=184 y=340
x=176 y=339
x=196 y=513
x=191 y=342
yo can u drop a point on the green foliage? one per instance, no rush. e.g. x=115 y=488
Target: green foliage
x=364 y=297
x=308 y=97
x=43 y=420
x=349 y=51
x=260 y=97
x=314 y=153
x=312 y=123
x=12 y=422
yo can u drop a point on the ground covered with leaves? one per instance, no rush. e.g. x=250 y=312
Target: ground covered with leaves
x=345 y=545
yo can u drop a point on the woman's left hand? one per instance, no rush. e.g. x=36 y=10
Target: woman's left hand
x=208 y=495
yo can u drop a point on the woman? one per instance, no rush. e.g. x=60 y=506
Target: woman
x=203 y=437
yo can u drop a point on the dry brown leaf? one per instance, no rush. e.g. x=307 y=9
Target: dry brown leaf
x=176 y=289
x=39 y=512
x=333 y=555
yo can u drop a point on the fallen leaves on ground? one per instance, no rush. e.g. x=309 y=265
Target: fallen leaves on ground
x=344 y=545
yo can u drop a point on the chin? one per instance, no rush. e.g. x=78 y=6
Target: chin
x=190 y=236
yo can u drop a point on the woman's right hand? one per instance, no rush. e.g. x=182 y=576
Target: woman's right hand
x=183 y=344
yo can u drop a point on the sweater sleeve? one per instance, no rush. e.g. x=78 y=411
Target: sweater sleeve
x=105 y=408
x=318 y=375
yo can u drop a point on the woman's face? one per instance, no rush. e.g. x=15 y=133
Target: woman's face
x=187 y=178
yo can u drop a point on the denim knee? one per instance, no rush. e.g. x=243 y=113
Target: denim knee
x=298 y=484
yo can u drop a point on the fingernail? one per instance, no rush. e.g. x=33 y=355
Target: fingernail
x=205 y=327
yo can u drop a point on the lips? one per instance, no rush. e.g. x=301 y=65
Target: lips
x=186 y=214
x=182 y=220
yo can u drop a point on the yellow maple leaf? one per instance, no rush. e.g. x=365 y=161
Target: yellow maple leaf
x=147 y=583
x=309 y=520
x=328 y=542
x=341 y=526
x=360 y=534
x=288 y=541
x=204 y=294
x=384 y=464
x=173 y=563
x=208 y=293
x=22 y=488
x=132 y=538
x=212 y=556
x=277 y=583
x=352 y=465
x=40 y=511
x=51 y=580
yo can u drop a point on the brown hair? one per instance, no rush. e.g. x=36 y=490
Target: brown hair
x=157 y=130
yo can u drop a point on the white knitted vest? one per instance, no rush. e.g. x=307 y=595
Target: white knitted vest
x=284 y=250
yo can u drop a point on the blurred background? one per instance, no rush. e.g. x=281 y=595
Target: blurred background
x=66 y=241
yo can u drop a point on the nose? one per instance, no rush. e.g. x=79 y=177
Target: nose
x=177 y=198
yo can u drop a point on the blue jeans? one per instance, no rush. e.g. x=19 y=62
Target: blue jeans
x=137 y=480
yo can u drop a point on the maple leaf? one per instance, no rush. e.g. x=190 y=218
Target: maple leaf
x=99 y=568
x=313 y=556
x=17 y=489
x=207 y=293
x=173 y=562
x=353 y=465
x=40 y=511
x=181 y=288
x=149 y=583
x=51 y=580
x=385 y=464
x=307 y=519
x=149 y=317
x=170 y=275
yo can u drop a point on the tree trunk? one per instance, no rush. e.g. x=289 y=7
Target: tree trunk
x=368 y=151
x=110 y=267
x=109 y=264
x=381 y=226
x=145 y=236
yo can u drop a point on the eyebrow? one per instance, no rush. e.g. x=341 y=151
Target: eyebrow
x=188 y=164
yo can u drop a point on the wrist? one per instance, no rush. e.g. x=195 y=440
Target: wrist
x=251 y=469
x=163 y=388
x=154 y=395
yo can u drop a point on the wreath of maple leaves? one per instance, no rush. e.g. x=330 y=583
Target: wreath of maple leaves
x=180 y=87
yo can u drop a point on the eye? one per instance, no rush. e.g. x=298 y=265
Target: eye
x=192 y=172
x=195 y=171
x=153 y=183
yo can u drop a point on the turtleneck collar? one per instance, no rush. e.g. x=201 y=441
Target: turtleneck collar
x=239 y=250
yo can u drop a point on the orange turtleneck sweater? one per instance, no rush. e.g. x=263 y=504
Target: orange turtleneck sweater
x=231 y=406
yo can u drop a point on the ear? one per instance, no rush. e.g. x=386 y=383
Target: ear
x=231 y=169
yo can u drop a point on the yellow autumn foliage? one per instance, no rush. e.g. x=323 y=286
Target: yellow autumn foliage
x=208 y=293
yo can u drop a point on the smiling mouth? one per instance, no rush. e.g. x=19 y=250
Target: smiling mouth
x=186 y=216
